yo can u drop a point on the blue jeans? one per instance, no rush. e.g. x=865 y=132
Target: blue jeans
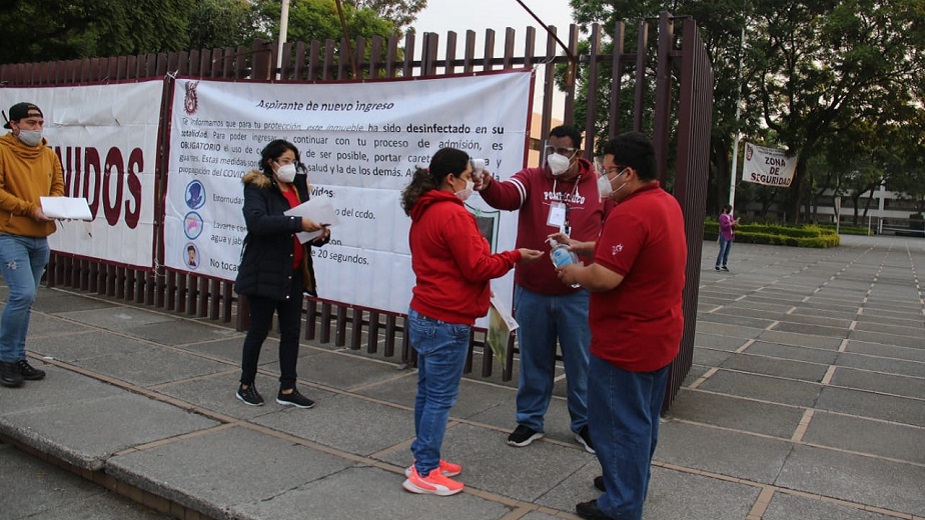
x=22 y=263
x=724 y=247
x=543 y=319
x=624 y=410
x=442 y=349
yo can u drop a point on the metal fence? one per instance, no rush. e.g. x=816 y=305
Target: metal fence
x=675 y=67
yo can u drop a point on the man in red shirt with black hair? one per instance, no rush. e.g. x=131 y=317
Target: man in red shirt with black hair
x=560 y=196
x=636 y=322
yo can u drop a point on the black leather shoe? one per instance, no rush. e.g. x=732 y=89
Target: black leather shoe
x=28 y=372
x=599 y=483
x=590 y=511
x=9 y=375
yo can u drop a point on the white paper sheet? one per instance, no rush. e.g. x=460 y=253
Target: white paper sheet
x=66 y=208
x=319 y=210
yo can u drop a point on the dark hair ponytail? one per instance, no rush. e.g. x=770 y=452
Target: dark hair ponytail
x=422 y=182
x=445 y=162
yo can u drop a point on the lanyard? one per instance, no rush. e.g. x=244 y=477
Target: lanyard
x=566 y=199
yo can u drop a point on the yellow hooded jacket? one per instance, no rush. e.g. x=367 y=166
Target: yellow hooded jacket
x=27 y=173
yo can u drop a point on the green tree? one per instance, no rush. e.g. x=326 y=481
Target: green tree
x=400 y=12
x=44 y=30
x=869 y=153
x=904 y=159
x=722 y=38
x=854 y=162
x=217 y=24
x=811 y=70
x=318 y=20
x=911 y=185
x=47 y=30
x=819 y=68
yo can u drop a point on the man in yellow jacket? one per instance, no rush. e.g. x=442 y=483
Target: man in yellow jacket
x=28 y=170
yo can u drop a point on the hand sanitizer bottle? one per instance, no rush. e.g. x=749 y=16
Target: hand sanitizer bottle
x=560 y=254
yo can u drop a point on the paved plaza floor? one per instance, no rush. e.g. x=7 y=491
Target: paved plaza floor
x=806 y=401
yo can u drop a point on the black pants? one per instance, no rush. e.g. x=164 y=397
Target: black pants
x=289 y=313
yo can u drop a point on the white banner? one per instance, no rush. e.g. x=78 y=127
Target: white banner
x=361 y=143
x=769 y=166
x=106 y=138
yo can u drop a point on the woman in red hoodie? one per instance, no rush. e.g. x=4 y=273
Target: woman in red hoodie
x=453 y=265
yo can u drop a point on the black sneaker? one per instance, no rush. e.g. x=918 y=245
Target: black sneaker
x=9 y=375
x=249 y=395
x=590 y=511
x=584 y=438
x=28 y=372
x=599 y=483
x=294 y=399
x=717 y=268
x=725 y=268
x=523 y=436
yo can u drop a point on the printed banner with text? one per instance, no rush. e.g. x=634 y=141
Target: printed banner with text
x=361 y=143
x=106 y=138
x=770 y=166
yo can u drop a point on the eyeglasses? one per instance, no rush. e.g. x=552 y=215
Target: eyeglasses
x=286 y=161
x=561 y=150
x=615 y=168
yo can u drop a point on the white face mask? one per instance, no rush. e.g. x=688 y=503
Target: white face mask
x=605 y=185
x=286 y=173
x=30 y=137
x=604 y=188
x=467 y=192
x=558 y=164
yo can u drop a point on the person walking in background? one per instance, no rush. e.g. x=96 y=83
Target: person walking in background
x=275 y=267
x=561 y=196
x=636 y=322
x=726 y=235
x=452 y=265
x=28 y=170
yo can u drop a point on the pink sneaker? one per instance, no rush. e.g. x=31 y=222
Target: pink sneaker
x=448 y=469
x=434 y=483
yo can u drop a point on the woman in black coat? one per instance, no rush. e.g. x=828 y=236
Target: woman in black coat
x=275 y=268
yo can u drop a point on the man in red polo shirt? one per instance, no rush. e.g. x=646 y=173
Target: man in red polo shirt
x=636 y=322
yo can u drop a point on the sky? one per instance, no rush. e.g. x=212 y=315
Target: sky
x=441 y=16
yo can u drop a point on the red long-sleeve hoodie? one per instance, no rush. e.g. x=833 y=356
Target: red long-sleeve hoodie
x=533 y=191
x=451 y=260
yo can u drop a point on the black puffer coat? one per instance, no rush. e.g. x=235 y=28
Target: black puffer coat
x=266 y=256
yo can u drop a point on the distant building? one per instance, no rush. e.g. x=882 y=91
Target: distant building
x=885 y=204
x=887 y=211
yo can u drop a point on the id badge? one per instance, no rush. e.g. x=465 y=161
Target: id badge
x=556 y=217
